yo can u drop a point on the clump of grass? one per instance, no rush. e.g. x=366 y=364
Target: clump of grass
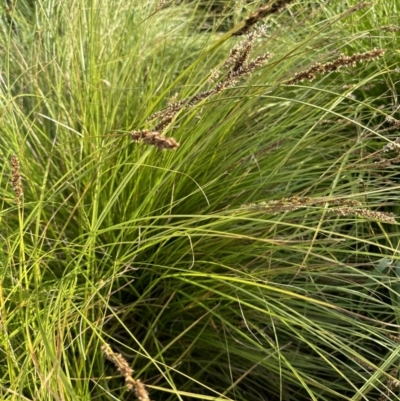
x=153 y=252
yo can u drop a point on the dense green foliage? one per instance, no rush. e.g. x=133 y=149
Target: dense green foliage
x=162 y=254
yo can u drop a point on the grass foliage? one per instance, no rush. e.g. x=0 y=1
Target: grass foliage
x=235 y=267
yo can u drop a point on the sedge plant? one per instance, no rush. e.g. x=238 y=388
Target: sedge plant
x=199 y=200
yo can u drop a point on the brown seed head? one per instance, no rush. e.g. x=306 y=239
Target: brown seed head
x=122 y=365
x=141 y=392
x=154 y=138
x=297 y=202
x=118 y=360
x=366 y=213
x=391 y=28
x=262 y=12
x=16 y=181
x=343 y=61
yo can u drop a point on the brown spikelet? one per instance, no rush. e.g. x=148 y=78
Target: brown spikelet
x=16 y=181
x=121 y=363
x=391 y=28
x=383 y=163
x=262 y=12
x=390 y=385
x=393 y=121
x=160 y=5
x=141 y=392
x=384 y=217
x=347 y=207
x=359 y=6
x=154 y=138
x=392 y=146
x=366 y=365
x=343 y=61
x=387 y=157
x=123 y=367
x=296 y=202
x=394 y=338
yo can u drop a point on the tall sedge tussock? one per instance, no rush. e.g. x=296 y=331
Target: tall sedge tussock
x=216 y=298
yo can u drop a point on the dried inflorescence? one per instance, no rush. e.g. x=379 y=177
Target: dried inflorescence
x=390 y=385
x=393 y=121
x=392 y=146
x=141 y=392
x=298 y=202
x=16 y=181
x=395 y=338
x=262 y=12
x=347 y=207
x=343 y=61
x=154 y=138
x=367 y=365
x=359 y=6
x=391 y=28
x=381 y=157
x=123 y=367
x=160 y=5
x=384 y=217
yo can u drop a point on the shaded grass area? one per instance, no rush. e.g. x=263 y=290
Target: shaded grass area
x=228 y=268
